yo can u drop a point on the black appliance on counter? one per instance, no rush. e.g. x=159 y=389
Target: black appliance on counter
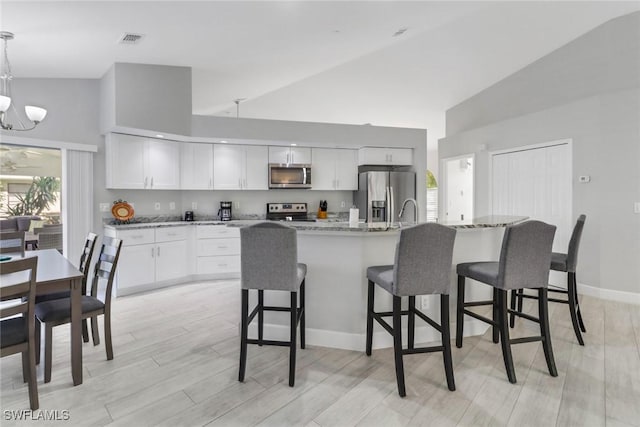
x=287 y=212
x=188 y=216
x=225 y=211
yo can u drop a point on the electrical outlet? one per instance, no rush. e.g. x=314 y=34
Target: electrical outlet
x=172 y=206
x=343 y=204
x=194 y=205
x=636 y=207
x=236 y=205
x=104 y=207
x=584 y=179
x=156 y=206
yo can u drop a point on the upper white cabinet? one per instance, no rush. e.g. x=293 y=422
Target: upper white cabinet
x=334 y=169
x=385 y=156
x=137 y=162
x=196 y=166
x=300 y=155
x=240 y=167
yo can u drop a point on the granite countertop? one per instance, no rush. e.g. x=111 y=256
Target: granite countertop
x=330 y=225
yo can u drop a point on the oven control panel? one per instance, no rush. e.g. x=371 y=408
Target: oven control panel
x=287 y=208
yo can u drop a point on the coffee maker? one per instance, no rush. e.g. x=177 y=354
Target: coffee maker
x=225 y=211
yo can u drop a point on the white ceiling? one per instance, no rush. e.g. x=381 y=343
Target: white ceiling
x=306 y=60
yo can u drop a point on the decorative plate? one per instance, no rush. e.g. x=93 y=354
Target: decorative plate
x=122 y=211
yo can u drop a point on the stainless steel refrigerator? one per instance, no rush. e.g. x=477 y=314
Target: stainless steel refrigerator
x=381 y=193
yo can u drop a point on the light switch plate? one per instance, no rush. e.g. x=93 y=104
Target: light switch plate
x=584 y=178
x=194 y=205
x=156 y=206
x=636 y=207
x=172 y=206
x=104 y=207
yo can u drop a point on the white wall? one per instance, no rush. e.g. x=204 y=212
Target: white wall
x=589 y=91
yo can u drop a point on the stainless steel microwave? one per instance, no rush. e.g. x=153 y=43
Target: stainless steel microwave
x=283 y=175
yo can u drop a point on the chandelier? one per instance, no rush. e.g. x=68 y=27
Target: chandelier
x=35 y=114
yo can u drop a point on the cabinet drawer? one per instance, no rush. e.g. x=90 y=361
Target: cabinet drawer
x=216 y=231
x=218 y=264
x=137 y=237
x=208 y=247
x=170 y=234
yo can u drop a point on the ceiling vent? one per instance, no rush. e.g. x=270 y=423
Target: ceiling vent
x=130 y=38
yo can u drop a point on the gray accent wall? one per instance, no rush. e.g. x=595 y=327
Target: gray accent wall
x=587 y=91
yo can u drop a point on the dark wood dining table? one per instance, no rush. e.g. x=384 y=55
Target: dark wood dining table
x=54 y=274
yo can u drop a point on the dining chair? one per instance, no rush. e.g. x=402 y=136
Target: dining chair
x=84 y=267
x=49 y=237
x=422 y=267
x=269 y=261
x=12 y=241
x=567 y=263
x=524 y=263
x=58 y=311
x=17 y=324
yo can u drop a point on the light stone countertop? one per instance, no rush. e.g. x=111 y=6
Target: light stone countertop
x=332 y=225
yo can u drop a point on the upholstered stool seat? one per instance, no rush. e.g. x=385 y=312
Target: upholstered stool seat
x=269 y=261
x=524 y=263
x=422 y=267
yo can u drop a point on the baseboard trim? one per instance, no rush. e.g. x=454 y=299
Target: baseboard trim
x=609 y=294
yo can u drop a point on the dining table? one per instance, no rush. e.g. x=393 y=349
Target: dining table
x=55 y=273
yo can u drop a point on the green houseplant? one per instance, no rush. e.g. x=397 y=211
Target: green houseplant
x=42 y=193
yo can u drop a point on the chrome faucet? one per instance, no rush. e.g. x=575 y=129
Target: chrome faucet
x=415 y=209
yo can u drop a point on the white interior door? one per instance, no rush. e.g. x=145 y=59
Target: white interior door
x=535 y=182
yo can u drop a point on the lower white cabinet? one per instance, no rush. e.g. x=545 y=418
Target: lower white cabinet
x=218 y=250
x=150 y=257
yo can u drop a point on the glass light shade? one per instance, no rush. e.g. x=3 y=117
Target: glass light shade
x=5 y=101
x=35 y=114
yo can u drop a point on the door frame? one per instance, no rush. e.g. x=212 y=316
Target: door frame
x=443 y=198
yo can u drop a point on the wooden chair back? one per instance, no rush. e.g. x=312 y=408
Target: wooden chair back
x=19 y=283
x=85 y=259
x=105 y=268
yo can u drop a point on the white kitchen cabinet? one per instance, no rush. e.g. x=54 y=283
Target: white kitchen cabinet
x=196 y=166
x=218 y=250
x=136 y=162
x=151 y=257
x=385 y=156
x=334 y=169
x=286 y=155
x=240 y=167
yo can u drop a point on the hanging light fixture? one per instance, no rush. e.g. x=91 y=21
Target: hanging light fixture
x=35 y=114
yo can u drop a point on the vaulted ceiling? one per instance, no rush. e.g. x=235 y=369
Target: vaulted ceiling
x=390 y=63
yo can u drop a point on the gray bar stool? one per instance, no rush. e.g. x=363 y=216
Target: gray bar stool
x=269 y=261
x=566 y=263
x=422 y=267
x=524 y=263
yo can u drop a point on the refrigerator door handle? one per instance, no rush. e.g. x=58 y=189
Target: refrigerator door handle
x=393 y=206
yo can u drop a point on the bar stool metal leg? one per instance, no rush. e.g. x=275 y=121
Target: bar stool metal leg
x=496 y=314
x=260 y=316
x=294 y=333
x=370 y=293
x=460 y=312
x=503 y=326
x=397 y=345
x=411 y=324
x=545 y=331
x=243 y=334
x=302 y=317
x=446 y=341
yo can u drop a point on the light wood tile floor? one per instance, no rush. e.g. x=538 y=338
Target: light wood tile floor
x=176 y=360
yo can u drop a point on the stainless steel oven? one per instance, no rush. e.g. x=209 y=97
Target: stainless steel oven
x=282 y=175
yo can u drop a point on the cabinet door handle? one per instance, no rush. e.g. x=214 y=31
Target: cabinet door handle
x=137 y=236
x=337 y=184
x=153 y=253
x=222 y=265
x=239 y=182
x=210 y=182
x=145 y=182
x=151 y=182
x=244 y=184
x=391 y=157
x=158 y=251
x=222 y=247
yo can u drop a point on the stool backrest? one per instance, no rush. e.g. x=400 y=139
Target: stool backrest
x=526 y=255
x=269 y=257
x=423 y=260
x=574 y=244
x=105 y=268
